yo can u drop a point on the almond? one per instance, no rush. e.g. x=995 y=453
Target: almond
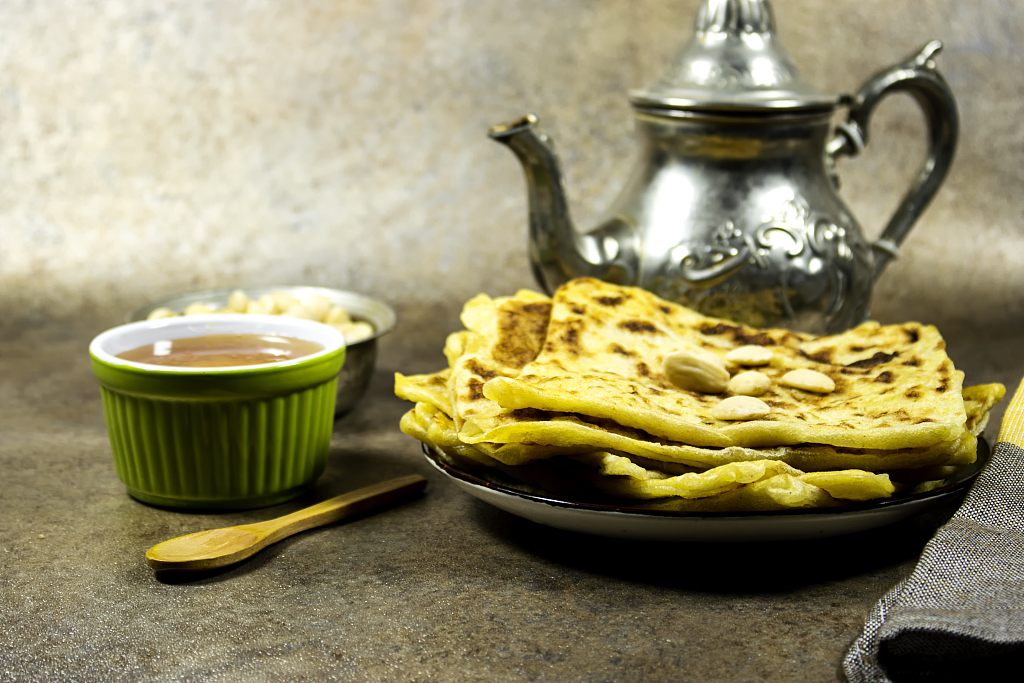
x=697 y=370
x=750 y=355
x=741 y=408
x=809 y=380
x=751 y=383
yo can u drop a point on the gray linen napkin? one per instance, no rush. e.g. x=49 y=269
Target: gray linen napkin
x=960 y=615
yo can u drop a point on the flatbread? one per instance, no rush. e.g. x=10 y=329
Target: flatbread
x=749 y=486
x=509 y=331
x=431 y=389
x=567 y=396
x=503 y=336
x=537 y=435
x=624 y=478
x=605 y=347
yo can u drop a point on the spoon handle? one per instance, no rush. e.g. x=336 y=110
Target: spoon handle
x=331 y=510
x=221 y=547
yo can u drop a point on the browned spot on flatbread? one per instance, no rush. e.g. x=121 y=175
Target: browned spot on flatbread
x=877 y=359
x=618 y=349
x=822 y=356
x=912 y=334
x=642 y=369
x=639 y=327
x=610 y=301
x=885 y=377
x=476 y=390
x=577 y=309
x=720 y=328
x=758 y=339
x=564 y=335
x=943 y=385
x=541 y=308
x=522 y=327
x=738 y=334
x=912 y=363
x=786 y=337
x=477 y=369
x=913 y=393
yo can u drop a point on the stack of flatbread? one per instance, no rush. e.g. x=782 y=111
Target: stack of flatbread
x=569 y=395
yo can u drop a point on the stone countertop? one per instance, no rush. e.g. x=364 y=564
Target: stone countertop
x=149 y=149
x=442 y=588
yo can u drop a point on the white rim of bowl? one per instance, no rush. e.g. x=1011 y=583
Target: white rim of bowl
x=133 y=335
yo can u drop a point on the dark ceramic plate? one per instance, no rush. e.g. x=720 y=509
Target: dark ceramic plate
x=623 y=521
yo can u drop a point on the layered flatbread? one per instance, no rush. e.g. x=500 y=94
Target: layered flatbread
x=606 y=345
x=749 y=485
x=578 y=378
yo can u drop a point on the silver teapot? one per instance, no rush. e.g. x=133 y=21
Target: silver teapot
x=732 y=208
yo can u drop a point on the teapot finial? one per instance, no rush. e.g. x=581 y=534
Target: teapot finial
x=734 y=61
x=735 y=16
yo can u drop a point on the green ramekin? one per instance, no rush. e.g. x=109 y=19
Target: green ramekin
x=218 y=438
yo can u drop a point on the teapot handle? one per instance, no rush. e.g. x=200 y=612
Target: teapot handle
x=918 y=77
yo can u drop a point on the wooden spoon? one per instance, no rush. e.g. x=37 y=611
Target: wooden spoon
x=221 y=547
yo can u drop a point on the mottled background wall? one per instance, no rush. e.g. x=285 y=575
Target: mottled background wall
x=153 y=147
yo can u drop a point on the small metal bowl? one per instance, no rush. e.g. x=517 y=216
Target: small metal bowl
x=360 y=357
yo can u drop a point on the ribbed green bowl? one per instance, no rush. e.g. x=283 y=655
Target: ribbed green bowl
x=218 y=438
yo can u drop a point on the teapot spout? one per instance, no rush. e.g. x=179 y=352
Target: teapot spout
x=558 y=252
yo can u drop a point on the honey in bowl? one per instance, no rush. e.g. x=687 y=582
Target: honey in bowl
x=222 y=350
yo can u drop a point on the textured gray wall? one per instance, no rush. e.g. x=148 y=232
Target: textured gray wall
x=153 y=147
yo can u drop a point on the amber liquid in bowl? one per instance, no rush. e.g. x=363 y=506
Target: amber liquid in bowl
x=222 y=350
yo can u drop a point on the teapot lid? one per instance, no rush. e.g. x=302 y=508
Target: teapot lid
x=733 y=63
